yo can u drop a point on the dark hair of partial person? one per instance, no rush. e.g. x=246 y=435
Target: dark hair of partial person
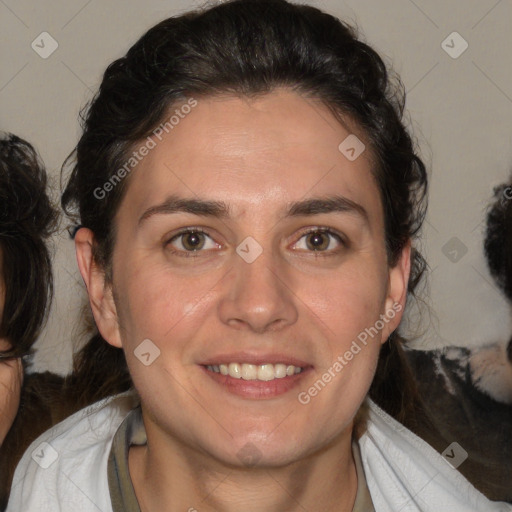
x=248 y=48
x=498 y=238
x=498 y=242
x=27 y=220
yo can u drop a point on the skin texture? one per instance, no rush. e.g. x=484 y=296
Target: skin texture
x=258 y=156
x=11 y=378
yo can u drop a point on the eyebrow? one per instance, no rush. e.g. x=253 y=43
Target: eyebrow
x=219 y=209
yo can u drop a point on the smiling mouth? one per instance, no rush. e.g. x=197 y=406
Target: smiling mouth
x=257 y=381
x=262 y=372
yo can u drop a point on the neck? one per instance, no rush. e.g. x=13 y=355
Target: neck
x=178 y=477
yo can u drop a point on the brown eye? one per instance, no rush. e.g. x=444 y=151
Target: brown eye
x=317 y=241
x=320 y=240
x=193 y=241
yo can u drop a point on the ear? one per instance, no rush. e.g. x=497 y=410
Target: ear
x=397 y=292
x=100 y=293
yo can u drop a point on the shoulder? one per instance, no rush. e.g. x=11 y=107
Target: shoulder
x=68 y=463
x=405 y=473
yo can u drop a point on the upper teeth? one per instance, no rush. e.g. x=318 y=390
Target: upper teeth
x=255 y=372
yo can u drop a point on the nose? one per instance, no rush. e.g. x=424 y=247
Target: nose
x=258 y=296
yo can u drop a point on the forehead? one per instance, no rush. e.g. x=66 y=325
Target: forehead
x=276 y=148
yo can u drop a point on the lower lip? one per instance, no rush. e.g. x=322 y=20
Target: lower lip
x=257 y=389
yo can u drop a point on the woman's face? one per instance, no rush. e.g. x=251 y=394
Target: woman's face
x=11 y=376
x=285 y=267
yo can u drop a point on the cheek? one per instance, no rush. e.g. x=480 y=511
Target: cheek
x=10 y=389
x=156 y=304
x=350 y=299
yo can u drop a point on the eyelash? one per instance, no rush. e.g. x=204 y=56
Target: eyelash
x=195 y=254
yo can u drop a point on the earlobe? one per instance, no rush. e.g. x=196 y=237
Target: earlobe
x=397 y=291
x=100 y=293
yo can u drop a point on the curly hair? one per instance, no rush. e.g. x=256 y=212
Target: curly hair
x=248 y=48
x=27 y=220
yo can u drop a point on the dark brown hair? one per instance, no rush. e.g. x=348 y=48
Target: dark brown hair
x=249 y=48
x=498 y=238
x=27 y=219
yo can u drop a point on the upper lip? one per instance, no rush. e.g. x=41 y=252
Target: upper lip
x=254 y=358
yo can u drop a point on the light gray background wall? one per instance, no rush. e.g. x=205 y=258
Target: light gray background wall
x=461 y=110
